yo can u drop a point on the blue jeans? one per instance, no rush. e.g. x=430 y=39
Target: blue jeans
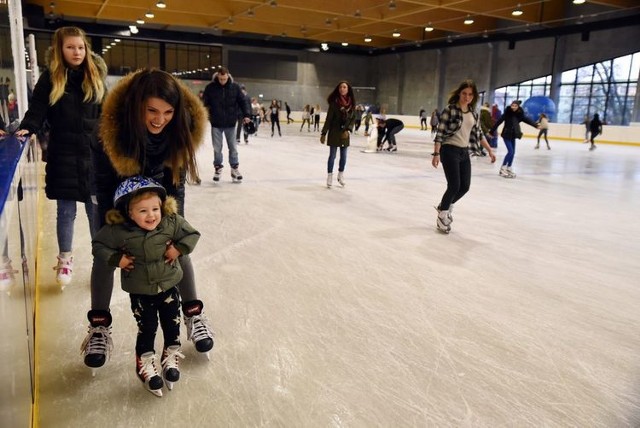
x=511 y=151
x=229 y=135
x=66 y=215
x=332 y=158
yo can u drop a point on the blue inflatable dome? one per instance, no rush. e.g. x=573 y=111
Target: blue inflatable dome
x=536 y=105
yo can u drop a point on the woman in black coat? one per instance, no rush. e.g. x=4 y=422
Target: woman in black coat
x=510 y=133
x=68 y=96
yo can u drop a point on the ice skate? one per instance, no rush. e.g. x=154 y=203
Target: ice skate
x=64 y=269
x=148 y=373
x=392 y=149
x=341 y=178
x=198 y=329
x=506 y=172
x=592 y=148
x=170 y=371
x=443 y=221
x=217 y=173
x=236 y=176
x=97 y=345
x=537 y=146
x=329 y=180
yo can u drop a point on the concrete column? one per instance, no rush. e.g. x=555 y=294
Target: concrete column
x=635 y=117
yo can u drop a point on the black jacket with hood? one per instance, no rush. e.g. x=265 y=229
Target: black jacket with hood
x=112 y=165
x=225 y=103
x=73 y=127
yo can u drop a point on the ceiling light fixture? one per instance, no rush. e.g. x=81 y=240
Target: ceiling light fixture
x=327 y=22
x=149 y=14
x=392 y=5
x=358 y=14
x=160 y=4
x=395 y=33
x=140 y=21
x=133 y=29
x=468 y=20
x=273 y=3
x=579 y=1
x=324 y=46
x=367 y=39
x=344 y=44
x=517 y=11
x=230 y=20
x=251 y=13
x=428 y=28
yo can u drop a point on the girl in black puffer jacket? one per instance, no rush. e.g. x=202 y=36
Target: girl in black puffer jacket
x=68 y=97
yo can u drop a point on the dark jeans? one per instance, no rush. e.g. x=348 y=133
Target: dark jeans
x=332 y=158
x=146 y=310
x=457 y=170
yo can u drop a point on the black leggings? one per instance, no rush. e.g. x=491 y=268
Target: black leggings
x=146 y=310
x=457 y=169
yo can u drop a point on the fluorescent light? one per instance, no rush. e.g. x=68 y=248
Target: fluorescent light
x=149 y=14
x=140 y=21
x=160 y=4
x=367 y=39
x=344 y=44
x=579 y=1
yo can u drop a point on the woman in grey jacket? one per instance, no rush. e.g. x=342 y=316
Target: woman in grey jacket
x=144 y=236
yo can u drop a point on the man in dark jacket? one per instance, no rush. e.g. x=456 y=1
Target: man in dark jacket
x=226 y=102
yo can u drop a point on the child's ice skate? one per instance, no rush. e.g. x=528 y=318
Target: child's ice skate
x=148 y=373
x=170 y=371
x=97 y=345
x=198 y=329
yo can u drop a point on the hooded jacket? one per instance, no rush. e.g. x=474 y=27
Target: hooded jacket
x=112 y=165
x=73 y=126
x=150 y=275
x=225 y=103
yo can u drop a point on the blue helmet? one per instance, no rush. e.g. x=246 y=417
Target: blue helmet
x=134 y=185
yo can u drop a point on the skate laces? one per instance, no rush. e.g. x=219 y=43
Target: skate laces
x=198 y=328
x=97 y=341
x=171 y=355
x=64 y=266
x=148 y=367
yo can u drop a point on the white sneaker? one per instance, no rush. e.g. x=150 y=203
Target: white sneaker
x=64 y=269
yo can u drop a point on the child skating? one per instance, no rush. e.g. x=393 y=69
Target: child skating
x=144 y=237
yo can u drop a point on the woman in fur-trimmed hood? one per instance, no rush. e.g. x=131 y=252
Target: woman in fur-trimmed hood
x=152 y=125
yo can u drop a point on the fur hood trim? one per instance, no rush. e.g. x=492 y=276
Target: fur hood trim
x=115 y=216
x=111 y=118
x=214 y=78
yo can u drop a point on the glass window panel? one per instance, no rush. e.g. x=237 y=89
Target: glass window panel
x=569 y=76
x=621 y=68
x=635 y=66
x=564 y=109
x=540 y=80
x=524 y=92
x=585 y=74
x=567 y=90
x=632 y=90
x=602 y=71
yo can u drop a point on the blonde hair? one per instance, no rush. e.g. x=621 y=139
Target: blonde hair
x=92 y=85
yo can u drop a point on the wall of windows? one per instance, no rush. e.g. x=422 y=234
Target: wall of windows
x=607 y=88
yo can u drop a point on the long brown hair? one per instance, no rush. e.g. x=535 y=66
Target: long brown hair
x=454 y=96
x=133 y=131
x=335 y=94
x=92 y=85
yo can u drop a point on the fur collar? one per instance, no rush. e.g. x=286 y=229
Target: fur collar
x=110 y=124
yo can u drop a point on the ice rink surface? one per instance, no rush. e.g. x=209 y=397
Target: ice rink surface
x=345 y=307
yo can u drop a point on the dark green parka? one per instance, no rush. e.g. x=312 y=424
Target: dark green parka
x=338 y=125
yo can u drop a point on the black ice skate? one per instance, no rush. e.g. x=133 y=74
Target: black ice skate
x=170 y=371
x=97 y=345
x=198 y=329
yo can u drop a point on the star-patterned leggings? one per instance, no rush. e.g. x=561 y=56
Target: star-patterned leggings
x=146 y=310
